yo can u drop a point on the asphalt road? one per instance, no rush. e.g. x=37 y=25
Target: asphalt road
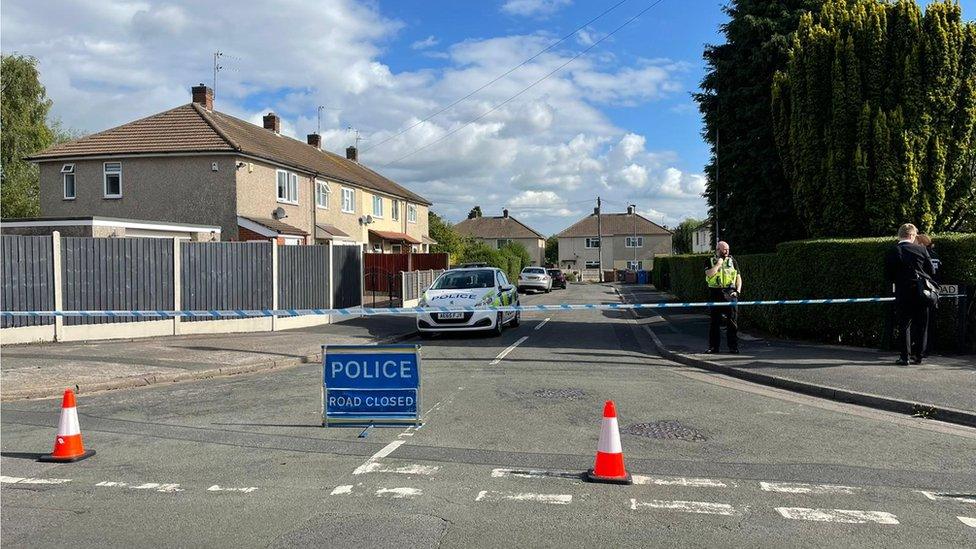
x=244 y=462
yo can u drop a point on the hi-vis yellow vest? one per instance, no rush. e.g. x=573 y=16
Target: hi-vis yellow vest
x=725 y=276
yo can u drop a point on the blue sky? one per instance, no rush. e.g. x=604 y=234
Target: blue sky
x=617 y=122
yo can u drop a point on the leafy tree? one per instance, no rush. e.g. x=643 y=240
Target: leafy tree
x=746 y=190
x=448 y=240
x=23 y=116
x=875 y=118
x=683 y=235
x=552 y=250
x=475 y=212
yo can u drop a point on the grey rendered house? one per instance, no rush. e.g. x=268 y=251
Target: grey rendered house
x=630 y=241
x=500 y=230
x=194 y=172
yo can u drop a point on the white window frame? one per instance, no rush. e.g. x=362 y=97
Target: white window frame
x=291 y=187
x=395 y=210
x=589 y=242
x=635 y=265
x=629 y=241
x=411 y=213
x=377 y=206
x=396 y=248
x=105 y=174
x=319 y=193
x=351 y=193
x=591 y=264
x=501 y=242
x=66 y=170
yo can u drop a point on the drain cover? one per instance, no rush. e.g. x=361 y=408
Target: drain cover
x=570 y=394
x=669 y=429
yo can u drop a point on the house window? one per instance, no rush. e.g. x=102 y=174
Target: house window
x=348 y=200
x=377 y=206
x=592 y=242
x=322 y=192
x=635 y=265
x=501 y=242
x=68 y=176
x=287 y=187
x=591 y=264
x=411 y=213
x=377 y=248
x=397 y=248
x=395 y=210
x=112 y=178
x=634 y=242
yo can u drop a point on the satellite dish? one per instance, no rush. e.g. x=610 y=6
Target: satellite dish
x=279 y=213
x=369 y=219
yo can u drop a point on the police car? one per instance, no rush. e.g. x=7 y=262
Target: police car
x=479 y=287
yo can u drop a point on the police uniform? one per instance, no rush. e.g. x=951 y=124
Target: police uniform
x=718 y=285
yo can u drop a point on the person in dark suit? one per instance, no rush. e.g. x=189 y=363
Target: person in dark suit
x=905 y=264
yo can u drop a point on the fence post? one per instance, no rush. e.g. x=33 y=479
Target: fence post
x=177 y=285
x=331 y=279
x=58 y=287
x=274 y=283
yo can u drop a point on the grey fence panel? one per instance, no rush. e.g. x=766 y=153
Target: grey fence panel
x=303 y=277
x=225 y=276
x=116 y=274
x=26 y=263
x=347 y=277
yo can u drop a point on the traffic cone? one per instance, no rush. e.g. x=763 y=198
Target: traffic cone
x=609 y=466
x=67 y=445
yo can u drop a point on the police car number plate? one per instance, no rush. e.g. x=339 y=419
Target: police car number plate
x=449 y=316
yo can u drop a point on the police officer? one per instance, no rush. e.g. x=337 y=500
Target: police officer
x=724 y=284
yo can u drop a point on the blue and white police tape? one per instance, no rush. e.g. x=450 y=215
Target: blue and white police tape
x=374 y=311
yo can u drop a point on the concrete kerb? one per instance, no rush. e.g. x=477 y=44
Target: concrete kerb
x=154 y=379
x=908 y=407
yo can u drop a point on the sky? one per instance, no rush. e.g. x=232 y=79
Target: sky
x=601 y=113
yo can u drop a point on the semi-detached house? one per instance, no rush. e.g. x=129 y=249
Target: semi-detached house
x=500 y=230
x=629 y=241
x=194 y=172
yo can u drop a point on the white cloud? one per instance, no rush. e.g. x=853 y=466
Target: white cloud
x=552 y=141
x=428 y=42
x=534 y=8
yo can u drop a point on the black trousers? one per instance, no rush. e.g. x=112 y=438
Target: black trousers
x=731 y=315
x=913 y=329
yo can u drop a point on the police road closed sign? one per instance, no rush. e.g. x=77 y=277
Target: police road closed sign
x=370 y=384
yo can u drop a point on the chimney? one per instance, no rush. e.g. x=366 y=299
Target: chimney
x=596 y=211
x=315 y=140
x=203 y=96
x=630 y=210
x=505 y=213
x=352 y=153
x=272 y=122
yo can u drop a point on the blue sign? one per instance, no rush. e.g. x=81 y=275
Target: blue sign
x=370 y=384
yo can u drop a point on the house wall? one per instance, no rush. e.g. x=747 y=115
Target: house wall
x=363 y=205
x=574 y=253
x=257 y=195
x=167 y=189
x=333 y=215
x=701 y=241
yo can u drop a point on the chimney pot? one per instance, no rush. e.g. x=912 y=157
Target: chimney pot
x=505 y=213
x=272 y=122
x=352 y=153
x=315 y=140
x=630 y=210
x=203 y=96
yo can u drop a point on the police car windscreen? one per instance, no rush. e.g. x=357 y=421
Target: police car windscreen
x=460 y=280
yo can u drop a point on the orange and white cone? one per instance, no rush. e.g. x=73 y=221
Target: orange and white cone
x=67 y=445
x=609 y=466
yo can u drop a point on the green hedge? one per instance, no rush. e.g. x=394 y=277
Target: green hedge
x=821 y=269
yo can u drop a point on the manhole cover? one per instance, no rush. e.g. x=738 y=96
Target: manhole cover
x=570 y=394
x=669 y=429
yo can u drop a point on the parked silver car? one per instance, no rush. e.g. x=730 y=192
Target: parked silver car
x=534 y=278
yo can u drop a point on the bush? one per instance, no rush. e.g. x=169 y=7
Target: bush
x=510 y=258
x=836 y=268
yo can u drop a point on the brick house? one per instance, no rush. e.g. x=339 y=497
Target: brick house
x=630 y=241
x=500 y=230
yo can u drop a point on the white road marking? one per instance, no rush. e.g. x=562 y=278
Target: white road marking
x=679 y=481
x=801 y=488
x=968 y=521
x=946 y=497
x=507 y=350
x=340 y=490
x=553 y=499
x=245 y=490
x=541 y=324
x=385 y=451
x=412 y=469
x=848 y=516
x=22 y=480
x=700 y=507
x=398 y=493
x=165 y=488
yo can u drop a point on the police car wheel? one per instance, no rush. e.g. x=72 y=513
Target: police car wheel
x=497 y=330
x=517 y=318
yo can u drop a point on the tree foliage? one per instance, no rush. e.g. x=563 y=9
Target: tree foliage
x=875 y=118
x=747 y=191
x=475 y=212
x=552 y=250
x=23 y=116
x=448 y=240
x=683 y=235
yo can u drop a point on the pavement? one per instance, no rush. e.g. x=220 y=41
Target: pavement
x=510 y=423
x=45 y=370
x=942 y=387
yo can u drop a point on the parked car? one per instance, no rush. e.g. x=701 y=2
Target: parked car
x=468 y=287
x=558 y=278
x=534 y=278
